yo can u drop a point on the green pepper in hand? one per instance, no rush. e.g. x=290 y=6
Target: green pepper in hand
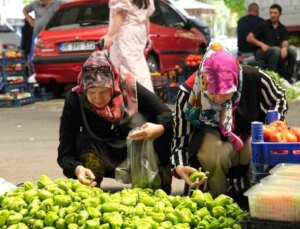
x=197 y=174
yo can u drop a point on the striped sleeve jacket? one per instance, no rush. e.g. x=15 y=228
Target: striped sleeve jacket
x=255 y=81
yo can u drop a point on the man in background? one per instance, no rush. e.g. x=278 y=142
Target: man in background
x=43 y=11
x=271 y=38
x=244 y=27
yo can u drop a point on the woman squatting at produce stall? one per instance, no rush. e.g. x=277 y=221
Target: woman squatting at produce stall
x=213 y=115
x=97 y=117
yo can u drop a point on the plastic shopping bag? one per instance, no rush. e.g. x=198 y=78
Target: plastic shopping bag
x=140 y=168
x=143 y=164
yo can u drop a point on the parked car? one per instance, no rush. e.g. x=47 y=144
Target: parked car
x=72 y=32
x=202 y=27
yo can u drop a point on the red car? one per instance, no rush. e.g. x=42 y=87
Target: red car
x=72 y=32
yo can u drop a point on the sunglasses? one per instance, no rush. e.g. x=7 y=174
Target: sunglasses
x=101 y=69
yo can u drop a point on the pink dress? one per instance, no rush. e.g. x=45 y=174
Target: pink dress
x=127 y=50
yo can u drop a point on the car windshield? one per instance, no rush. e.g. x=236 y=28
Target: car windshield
x=80 y=16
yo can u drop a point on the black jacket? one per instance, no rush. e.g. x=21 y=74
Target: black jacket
x=72 y=125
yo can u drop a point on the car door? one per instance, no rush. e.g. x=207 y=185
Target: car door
x=170 y=36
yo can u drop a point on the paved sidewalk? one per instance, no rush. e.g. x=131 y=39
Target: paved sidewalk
x=29 y=140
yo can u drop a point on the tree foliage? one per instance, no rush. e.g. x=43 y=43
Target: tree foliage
x=236 y=6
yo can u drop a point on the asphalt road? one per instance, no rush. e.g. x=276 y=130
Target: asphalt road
x=29 y=140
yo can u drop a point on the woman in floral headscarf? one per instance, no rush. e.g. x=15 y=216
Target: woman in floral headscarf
x=213 y=115
x=97 y=117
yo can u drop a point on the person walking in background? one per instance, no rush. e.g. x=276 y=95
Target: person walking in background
x=127 y=37
x=43 y=11
x=271 y=38
x=245 y=25
x=26 y=38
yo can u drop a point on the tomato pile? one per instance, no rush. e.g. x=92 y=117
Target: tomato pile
x=278 y=131
x=193 y=60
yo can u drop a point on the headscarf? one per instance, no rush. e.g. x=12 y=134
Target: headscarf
x=219 y=73
x=97 y=71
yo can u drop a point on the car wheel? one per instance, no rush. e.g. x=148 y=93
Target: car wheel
x=153 y=63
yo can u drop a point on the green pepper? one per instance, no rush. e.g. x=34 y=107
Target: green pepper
x=49 y=228
x=166 y=224
x=184 y=215
x=203 y=224
x=41 y=214
x=44 y=194
x=62 y=212
x=105 y=226
x=33 y=211
x=73 y=226
x=218 y=211
x=71 y=218
x=113 y=218
x=50 y=218
x=93 y=223
x=51 y=187
x=129 y=200
x=14 y=218
x=28 y=185
x=197 y=174
x=187 y=203
x=38 y=223
x=60 y=224
x=208 y=200
x=172 y=218
x=34 y=202
x=59 y=191
x=93 y=212
x=138 y=211
x=161 y=194
x=202 y=212
x=43 y=181
x=159 y=207
x=222 y=200
x=110 y=207
x=64 y=185
x=157 y=216
x=24 y=212
x=234 y=211
x=105 y=198
x=18 y=226
x=83 y=215
x=236 y=226
x=147 y=200
x=91 y=202
x=73 y=207
x=62 y=200
x=47 y=204
x=176 y=201
x=17 y=204
x=3 y=216
x=169 y=209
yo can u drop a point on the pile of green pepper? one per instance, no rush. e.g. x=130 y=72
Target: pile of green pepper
x=67 y=204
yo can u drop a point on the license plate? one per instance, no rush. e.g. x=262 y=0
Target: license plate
x=77 y=46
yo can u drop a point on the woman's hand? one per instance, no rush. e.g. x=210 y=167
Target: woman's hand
x=85 y=176
x=148 y=131
x=107 y=41
x=185 y=171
